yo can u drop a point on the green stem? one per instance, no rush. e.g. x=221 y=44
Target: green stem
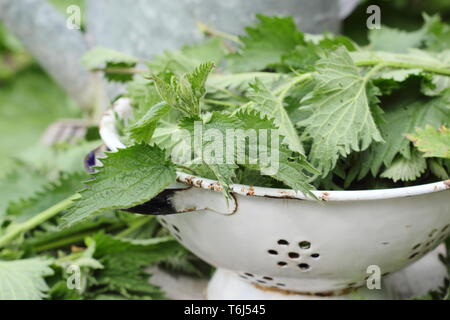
x=403 y=65
x=120 y=70
x=74 y=238
x=220 y=103
x=283 y=90
x=216 y=33
x=136 y=225
x=36 y=220
x=375 y=69
x=187 y=169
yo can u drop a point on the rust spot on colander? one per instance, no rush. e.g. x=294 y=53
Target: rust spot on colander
x=251 y=191
x=304 y=293
x=198 y=183
x=447 y=184
x=215 y=186
x=324 y=196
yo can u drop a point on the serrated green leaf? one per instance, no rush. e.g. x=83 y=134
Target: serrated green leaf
x=128 y=177
x=19 y=184
x=24 y=279
x=51 y=194
x=124 y=261
x=341 y=119
x=432 y=142
x=185 y=93
x=287 y=166
x=189 y=57
x=143 y=129
x=406 y=169
x=265 y=44
x=265 y=102
x=438 y=33
x=394 y=40
x=438 y=169
x=401 y=118
x=438 y=83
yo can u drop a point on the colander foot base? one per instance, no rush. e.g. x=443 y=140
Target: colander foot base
x=227 y=285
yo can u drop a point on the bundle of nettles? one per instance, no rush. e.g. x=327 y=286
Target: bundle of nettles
x=350 y=117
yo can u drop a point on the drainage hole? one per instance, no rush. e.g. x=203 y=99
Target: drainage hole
x=283 y=242
x=268 y=278
x=303 y=266
x=282 y=263
x=315 y=255
x=305 y=245
x=293 y=255
x=274 y=252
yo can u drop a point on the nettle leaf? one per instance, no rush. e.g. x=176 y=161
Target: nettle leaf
x=341 y=119
x=265 y=44
x=438 y=83
x=185 y=92
x=189 y=57
x=406 y=169
x=128 y=177
x=400 y=119
x=265 y=102
x=19 y=184
x=438 y=169
x=292 y=171
x=286 y=166
x=143 y=129
x=241 y=81
x=24 y=279
x=216 y=163
x=394 y=40
x=304 y=57
x=124 y=261
x=108 y=60
x=432 y=142
x=51 y=194
x=438 y=33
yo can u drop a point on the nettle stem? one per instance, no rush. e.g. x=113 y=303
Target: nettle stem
x=403 y=65
x=36 y=220
x=283 y=90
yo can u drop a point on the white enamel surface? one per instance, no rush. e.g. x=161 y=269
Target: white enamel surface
x=349 y=236
x=349 y=230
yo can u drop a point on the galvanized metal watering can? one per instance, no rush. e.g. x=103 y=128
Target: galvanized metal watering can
x=144 y=29
x=277 y=241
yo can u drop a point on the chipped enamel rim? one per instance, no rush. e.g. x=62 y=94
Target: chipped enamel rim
x=122 y=108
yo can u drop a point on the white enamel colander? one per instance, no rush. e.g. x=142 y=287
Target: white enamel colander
x=278 y=240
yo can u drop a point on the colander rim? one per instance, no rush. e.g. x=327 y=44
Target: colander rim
x=122 y=107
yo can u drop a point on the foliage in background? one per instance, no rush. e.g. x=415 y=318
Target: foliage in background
x=111 y=250
x=113 y=247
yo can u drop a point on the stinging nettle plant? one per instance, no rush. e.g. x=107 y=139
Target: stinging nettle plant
x=345 y=112
x=349 y=117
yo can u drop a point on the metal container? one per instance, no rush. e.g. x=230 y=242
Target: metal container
x=282 y=242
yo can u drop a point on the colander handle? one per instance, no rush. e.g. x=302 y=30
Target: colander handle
x=177 y=198
x=183 y=199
